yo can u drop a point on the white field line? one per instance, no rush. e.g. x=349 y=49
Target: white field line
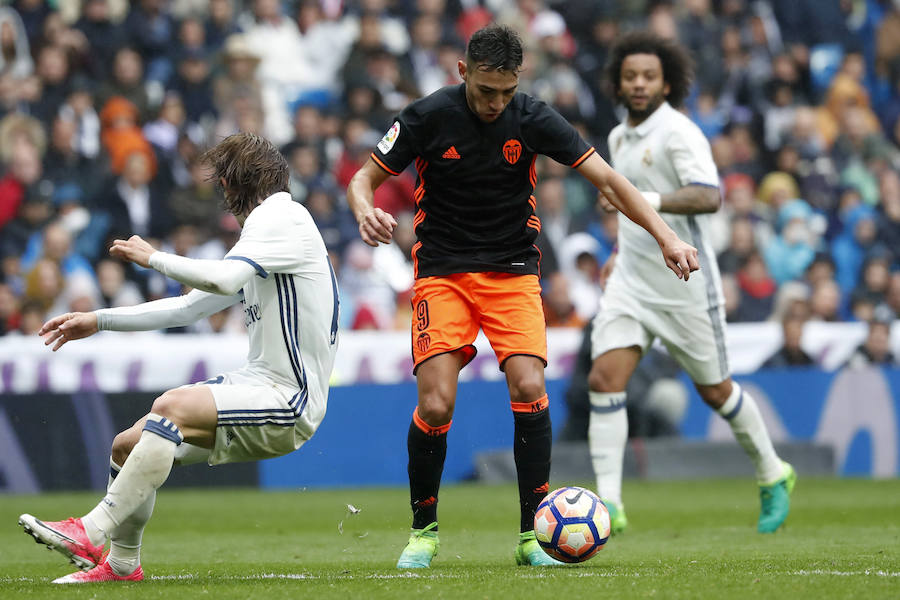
x=867 y=572
x=448 y=576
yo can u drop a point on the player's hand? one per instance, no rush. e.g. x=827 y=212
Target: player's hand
x=134 y=249
x=377 y=226
x=607 y=269
x=680 y=257
x=67 y=327
x=605 y=204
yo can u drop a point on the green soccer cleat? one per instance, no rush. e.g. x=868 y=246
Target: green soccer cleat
x=422 y=547
x=775 y=501
x=617 y=519
x=529 y=553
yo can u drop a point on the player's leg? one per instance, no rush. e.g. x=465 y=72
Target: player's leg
x=436 y=380
x=426 y=443
x=618 y=341
x=187 y=413
x=149 y=460
x=443 y=329
x=608 y=426
x=775 y=477
x=513 y=321
x=68 y=537
x=696 y=339
x=124 y=558
x=532 y=445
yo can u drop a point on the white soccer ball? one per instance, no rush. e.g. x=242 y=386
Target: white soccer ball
x=571 y=524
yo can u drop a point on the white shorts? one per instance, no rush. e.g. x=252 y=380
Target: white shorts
x=694 y=337
x=258 y=419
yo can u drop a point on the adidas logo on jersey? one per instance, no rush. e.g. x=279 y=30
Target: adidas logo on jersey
x=452 y=153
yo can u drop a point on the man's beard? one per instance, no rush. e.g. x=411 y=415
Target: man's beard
x=653 y=103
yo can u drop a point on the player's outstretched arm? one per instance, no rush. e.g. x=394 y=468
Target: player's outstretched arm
x=68 y=327
x=691 y=199
x=375 y=225
x=679 y=256
x=224 y=277
x=149 y=316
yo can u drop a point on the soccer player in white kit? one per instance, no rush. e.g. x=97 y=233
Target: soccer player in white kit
x=666 y=156
x=280 y=272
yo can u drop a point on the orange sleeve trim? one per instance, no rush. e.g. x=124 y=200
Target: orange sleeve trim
x=428 y=429
x=531 y=407
x=583 y=158
x=382 y=165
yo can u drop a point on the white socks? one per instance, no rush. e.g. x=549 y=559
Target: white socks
x=607 y=435
x=743 y=415
x=125 y=547
x=132 y=492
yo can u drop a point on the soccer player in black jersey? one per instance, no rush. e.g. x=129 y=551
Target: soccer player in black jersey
x=474 y=147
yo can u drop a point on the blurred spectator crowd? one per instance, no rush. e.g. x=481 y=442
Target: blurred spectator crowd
x=105 y=106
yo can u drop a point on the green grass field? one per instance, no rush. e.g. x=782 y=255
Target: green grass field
x=687 y=540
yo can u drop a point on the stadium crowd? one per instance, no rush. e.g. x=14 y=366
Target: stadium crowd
x=107 y=104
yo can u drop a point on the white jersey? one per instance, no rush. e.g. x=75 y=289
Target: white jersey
x=664 y=153
x=291 y=306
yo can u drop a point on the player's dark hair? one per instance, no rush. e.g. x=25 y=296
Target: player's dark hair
x=497 y=47
x=677 y=66
x=252 y=167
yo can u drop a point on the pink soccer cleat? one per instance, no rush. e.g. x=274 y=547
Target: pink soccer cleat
x=66 y=537
x=102 y=572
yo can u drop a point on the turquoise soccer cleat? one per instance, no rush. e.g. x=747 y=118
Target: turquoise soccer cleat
x=422 y=547
x=617 y=519
x=775 y=501
x=529 y=553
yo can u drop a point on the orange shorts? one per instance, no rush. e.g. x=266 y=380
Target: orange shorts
x=449 y=310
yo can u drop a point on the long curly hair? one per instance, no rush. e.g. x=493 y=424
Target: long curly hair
x=677 y=65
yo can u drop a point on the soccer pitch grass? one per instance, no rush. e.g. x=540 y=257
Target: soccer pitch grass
x=686 y=540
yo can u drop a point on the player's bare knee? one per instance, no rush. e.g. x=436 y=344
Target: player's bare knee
x=435 y=410
x=605 y=380
x=122 y=445
x=715 y=395
x=170 y=405
x=527 y=388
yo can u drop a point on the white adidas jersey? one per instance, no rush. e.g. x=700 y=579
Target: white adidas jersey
x=664 y=153
x=291 y=306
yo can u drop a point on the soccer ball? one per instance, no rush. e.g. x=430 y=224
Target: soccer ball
x=571 y=524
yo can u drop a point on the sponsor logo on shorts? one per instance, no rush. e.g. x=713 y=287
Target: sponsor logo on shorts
x=423 y=342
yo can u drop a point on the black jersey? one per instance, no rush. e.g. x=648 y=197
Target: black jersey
x=475 y=190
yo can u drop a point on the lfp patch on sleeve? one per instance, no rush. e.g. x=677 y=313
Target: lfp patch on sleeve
x=387 y=142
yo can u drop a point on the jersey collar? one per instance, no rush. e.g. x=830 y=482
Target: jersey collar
x=278 y=196
x=660 y=114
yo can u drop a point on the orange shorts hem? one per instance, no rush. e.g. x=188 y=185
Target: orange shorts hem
x=448 y=312
x=469 y=351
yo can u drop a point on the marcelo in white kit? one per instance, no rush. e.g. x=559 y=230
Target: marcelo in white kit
x=666 y=156
x=280 y=272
